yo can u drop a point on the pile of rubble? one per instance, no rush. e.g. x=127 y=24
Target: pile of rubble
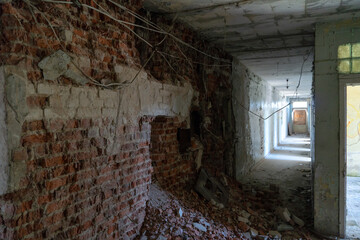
x=245 y=214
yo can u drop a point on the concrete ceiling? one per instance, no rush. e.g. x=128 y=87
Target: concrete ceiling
x=271 y=37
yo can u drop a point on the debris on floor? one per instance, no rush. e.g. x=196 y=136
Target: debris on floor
x=288 y=173
x=211 y=189
x=249 y=214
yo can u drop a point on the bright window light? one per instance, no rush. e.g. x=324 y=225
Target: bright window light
x=299 y=104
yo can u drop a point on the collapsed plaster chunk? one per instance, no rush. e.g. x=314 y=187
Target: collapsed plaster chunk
x=297 y=220
x=59 y=64
x=211 y=189
x=275 y=234
x=15 y=93
x=55 y=65
x=125 y=74
x=76 y=75
x=67 y=35
x=200 y=227
x=284 y=227
x=284 y=214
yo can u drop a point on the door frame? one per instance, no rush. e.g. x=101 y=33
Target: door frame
x=344 y=81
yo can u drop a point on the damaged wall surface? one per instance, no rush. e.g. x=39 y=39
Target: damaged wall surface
x=172 y=169
x=326 y=96
x=3 y=137
x=209 y=77
x=255 y=138
x=78 y=122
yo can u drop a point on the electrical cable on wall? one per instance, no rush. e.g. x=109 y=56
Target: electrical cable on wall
x=305 y=58
x=155 y=28
x=301 y=71
x=261 y=117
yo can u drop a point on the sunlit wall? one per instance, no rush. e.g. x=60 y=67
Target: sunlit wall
x=353 y=131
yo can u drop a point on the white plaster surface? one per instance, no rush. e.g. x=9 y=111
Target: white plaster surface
x=255 y=138
x=271 y=36
x=17 y=88
x=327 y=142
x=142 y=97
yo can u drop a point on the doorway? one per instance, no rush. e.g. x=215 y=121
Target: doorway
x=299 y=123
x=350 y=156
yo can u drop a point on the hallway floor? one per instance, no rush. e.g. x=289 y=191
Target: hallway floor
x=287 y=169
x=353 y=207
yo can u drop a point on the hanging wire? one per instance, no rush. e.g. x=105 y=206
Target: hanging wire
x=305 y=58
x=125 y=24
x=199 y=63
x=156 y=29
x=261 y=117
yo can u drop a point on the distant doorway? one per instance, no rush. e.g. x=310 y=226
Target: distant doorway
x=350 y=157
x=299 y=116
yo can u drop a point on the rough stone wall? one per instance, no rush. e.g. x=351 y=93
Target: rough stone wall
x=328 y=37
x=78 y=161
x=255 y=138
x=171 y=169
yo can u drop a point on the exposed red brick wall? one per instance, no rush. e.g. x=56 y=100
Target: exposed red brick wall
x=171 y=169
x=209 y=76
x=92 y=35
x=75 y=188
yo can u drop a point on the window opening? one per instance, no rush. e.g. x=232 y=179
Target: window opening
x=349 y=58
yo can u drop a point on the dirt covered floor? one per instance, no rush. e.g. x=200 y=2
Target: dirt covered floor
x=250 y=214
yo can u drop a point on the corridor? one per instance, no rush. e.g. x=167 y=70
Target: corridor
x=287 y=169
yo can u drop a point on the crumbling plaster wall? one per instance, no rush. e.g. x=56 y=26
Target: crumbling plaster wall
x=210 y=79
x=79 y=156
x=43 y=101
x=255 y=138
x=60 y=143
x=326 y=99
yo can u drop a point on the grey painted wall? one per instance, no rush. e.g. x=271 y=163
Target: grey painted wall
x=255 y=138
x=3 y=140
x=326 y=96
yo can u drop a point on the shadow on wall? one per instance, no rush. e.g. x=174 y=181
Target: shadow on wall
x=172 y=162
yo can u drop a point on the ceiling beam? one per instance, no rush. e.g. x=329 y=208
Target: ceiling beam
x=238 y=26
x=264 y=50
x=273 y=57
x=234 y=37
x=306 y=17
x=237 y=3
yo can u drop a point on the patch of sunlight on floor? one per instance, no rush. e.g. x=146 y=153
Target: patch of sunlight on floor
x=295 y=142
x=296 y=149
x=353 y=207
x=287 y=157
